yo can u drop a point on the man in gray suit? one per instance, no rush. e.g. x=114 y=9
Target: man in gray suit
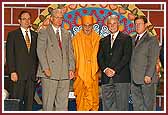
x=56 y=59
x=144 y=56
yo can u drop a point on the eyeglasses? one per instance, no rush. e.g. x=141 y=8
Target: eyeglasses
x=25 y=19
x=58 y=17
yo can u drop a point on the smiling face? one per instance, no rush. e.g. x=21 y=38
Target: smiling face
x=87 y=24
x=140 y=26
x=87 y=28
x=25 y=20
x=57 y=18
x=113 y=25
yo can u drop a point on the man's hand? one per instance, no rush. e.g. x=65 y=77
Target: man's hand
x=47 y=72
x=71 y=74
x=109 y=72
x=14 y=77
x=147 y=80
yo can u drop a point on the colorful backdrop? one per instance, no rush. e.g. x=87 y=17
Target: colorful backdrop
x=72 y=18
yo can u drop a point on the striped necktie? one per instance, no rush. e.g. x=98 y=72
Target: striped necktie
x=27 y=39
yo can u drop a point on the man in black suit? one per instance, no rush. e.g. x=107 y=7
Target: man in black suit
x=113 y=58
x=22 y=60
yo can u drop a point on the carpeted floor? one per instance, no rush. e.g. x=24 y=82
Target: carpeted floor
x=72 y=106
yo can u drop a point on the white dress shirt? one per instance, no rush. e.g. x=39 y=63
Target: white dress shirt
x=59 y=30
x=112 y=42
x=114 y=37
x=24 y=33
x=140 y=35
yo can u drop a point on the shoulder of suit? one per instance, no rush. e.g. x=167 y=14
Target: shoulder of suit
x=43 y=30
x=65 y=31
x=14 y=31
x=150 y=37
x=124 y=36
x=34 y=33
x=104 y=38
x=153 y=39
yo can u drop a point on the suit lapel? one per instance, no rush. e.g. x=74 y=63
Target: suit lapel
x=63 y=34
x=116 y=41
x=52 y=35
x=141 y=40
x=32 y=41
x=53 y=38
x=133 y=41
x=108 y=43
x=22 y=40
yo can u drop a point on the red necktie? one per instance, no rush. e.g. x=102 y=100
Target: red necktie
x=59 y=41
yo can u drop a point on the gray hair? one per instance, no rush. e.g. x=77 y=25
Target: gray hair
x=55 y=11
x=112 y=17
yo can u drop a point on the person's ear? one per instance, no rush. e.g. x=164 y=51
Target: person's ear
x=19 y=21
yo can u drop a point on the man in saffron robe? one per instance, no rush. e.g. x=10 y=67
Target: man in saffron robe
x=85 y=44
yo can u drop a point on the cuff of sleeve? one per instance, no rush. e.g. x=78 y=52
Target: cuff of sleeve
x=105 y=69
x=116 y=70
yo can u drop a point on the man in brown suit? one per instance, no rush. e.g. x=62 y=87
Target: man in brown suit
x=56 y=59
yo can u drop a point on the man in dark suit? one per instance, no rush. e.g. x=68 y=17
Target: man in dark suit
x=57 y=63
x=22 y=60
x=143 y=63
x=113 y=57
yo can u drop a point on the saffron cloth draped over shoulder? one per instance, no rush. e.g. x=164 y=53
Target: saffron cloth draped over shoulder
x=86 y=73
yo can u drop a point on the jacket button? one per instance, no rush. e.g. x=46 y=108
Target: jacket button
x=51 y=45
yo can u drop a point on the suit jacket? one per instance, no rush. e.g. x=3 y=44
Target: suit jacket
x=117 y=57
x=51 y=56
x=144 y=57
x=19 y=60
x=161 y=56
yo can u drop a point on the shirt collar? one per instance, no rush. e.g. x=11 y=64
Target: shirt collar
x=140 y=35
x=55 y=29
x=24 y=30
x=115 y=34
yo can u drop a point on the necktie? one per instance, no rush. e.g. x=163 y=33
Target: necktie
x=112 y=40
x=136 y=41
x=59 y=41
x=27 y=39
